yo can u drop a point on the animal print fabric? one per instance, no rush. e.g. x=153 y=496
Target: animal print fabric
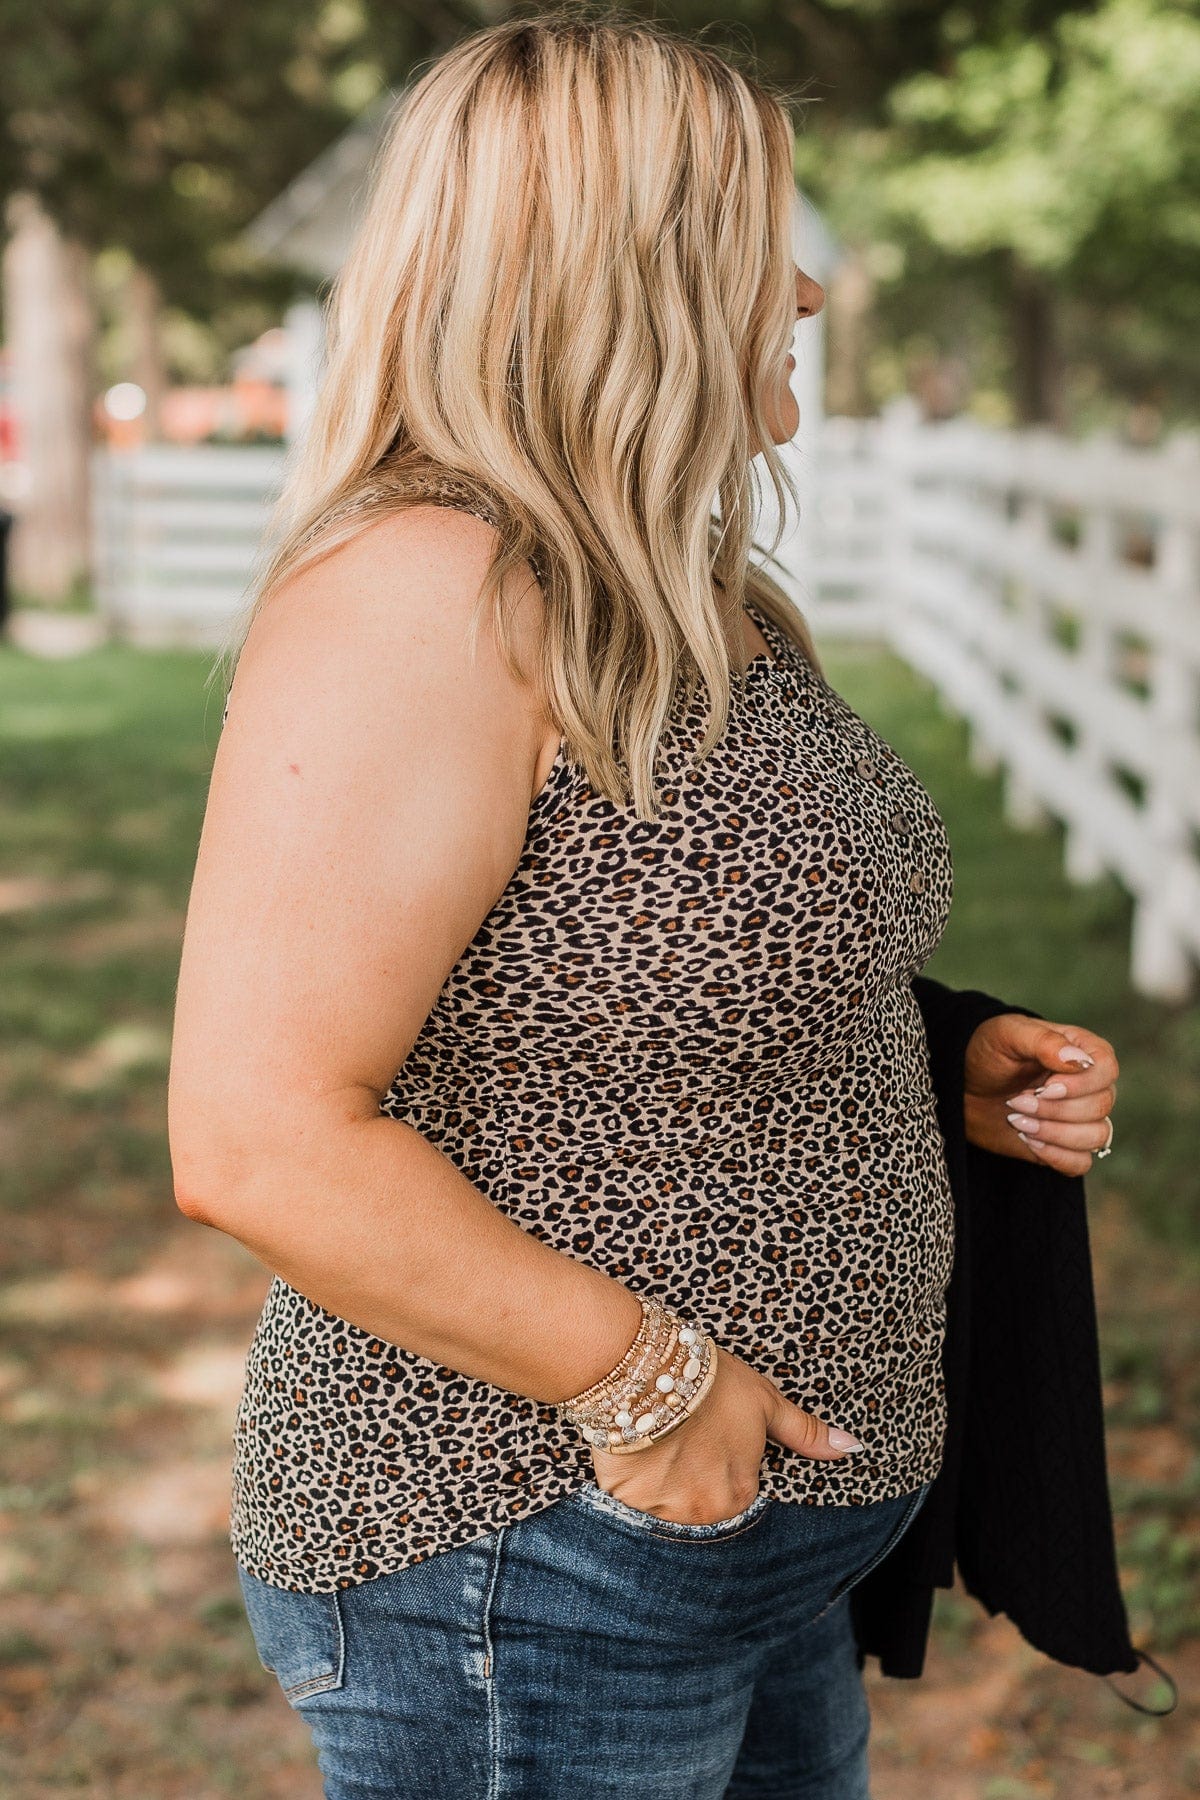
x=687 y=1052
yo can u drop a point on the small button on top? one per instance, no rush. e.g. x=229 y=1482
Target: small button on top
x=865 y=767
x=916 y=880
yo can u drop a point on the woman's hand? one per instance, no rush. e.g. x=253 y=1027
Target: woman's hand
x=707 y=1468
x=1040 y=1091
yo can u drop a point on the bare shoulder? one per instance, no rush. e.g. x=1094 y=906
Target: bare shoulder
x=376 y=636
x=405 y=585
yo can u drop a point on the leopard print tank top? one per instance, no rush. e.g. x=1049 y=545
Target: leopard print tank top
x=687 y=1051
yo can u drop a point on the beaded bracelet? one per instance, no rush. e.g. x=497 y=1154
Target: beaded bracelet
x=658 y=1383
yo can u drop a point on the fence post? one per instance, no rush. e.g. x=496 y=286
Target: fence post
x=898 y=422
x=1161 y=964
x=988 y=504
x=1098 y=552
x=1023 y=805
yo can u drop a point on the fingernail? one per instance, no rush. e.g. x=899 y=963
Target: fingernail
x=841 y=1440
x=1024 y=1103
x=1072 y=1053
x=1022 y=1123
x=1052 y=1090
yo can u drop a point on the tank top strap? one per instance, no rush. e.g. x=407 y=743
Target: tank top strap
x=464 y=496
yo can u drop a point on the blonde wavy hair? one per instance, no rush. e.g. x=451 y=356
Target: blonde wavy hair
x=572 y=283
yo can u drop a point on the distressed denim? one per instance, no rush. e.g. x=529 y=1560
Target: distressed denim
x=591 y=1650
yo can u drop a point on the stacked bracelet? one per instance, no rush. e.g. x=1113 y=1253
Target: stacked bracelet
x=658 y=1383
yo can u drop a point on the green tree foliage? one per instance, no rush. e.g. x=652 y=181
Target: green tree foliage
x=1080 y=153
x=1056 y=178
x=1019 y=178
x=160 y=127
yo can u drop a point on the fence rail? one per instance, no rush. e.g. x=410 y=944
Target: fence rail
x=1050 y=591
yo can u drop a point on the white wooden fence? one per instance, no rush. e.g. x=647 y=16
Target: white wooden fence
x=175 y=533
x=1049 y=590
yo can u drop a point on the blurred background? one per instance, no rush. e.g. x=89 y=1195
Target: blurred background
x=999 y=550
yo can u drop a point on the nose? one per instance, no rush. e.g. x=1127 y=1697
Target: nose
x=810 y=296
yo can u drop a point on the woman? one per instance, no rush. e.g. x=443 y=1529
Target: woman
x=545 y=1021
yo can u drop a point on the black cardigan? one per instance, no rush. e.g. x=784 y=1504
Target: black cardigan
x=1021 y=1503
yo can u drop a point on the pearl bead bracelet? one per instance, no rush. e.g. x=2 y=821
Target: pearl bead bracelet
x=658 y=1383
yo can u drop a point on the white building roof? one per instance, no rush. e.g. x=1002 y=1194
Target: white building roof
x=310 y=224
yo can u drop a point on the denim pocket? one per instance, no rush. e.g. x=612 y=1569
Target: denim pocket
x=299 y=1637
x=907 y=1515
x=600 y=1501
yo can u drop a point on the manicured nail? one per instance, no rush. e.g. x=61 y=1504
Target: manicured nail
x=1021 y=1123
x=1052 y=1090
x=1072 y=1053
x=1024 y=1103
x=841 y=1440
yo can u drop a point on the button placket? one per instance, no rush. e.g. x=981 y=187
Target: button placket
x=901 y=821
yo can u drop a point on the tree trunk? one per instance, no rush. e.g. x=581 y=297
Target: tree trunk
x=148 y=367
x=50 y=327
x=1037 y=360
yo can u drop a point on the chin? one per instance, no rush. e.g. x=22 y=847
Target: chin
x=786 y=422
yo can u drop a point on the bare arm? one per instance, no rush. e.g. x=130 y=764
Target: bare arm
x=368 y=804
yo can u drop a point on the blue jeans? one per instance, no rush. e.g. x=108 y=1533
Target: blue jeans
x=592 y=1650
